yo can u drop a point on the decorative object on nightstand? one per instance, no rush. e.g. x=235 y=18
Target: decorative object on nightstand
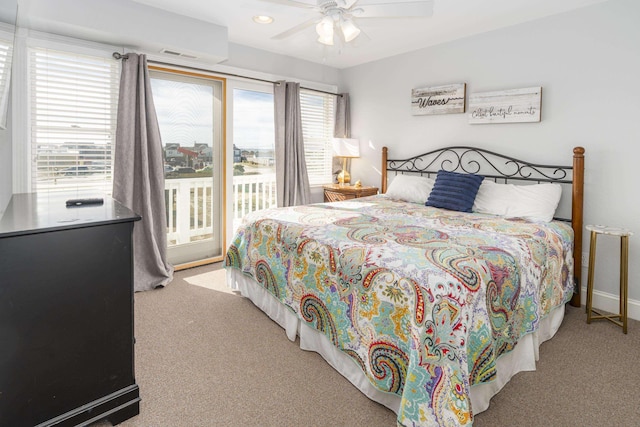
x=624 y=235
x=358 y=184
x=345 y=148
x=338 y=192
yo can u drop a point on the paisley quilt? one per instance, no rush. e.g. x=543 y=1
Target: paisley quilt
x=424 y=300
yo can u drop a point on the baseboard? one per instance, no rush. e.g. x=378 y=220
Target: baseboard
x=611 y=303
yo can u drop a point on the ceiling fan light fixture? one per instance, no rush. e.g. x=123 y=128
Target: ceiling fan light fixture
x=328 y=41
x=349 y=29
x=325 y=28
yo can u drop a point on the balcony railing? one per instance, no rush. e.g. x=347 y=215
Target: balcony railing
x=189 y=216
x=189 y=201
x=252 y=193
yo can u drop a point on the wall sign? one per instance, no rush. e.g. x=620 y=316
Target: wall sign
x=438 y=99
x=506 y=106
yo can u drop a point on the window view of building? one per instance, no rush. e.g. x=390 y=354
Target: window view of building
x=190 y=119
x=185 y=116
x=73 y=120
x=253 y=132
x=254 y=179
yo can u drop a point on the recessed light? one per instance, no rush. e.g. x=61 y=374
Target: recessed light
x=262 y=19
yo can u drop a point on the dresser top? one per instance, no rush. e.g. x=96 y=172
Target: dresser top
x=30 y=213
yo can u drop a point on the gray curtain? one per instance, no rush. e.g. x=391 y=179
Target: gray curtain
x=341 y=129
x=138 y=174
x=292 y=180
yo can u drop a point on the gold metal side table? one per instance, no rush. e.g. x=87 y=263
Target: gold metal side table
x=624 y=234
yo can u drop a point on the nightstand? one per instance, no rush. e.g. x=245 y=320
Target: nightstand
x=619 y=319
x=337 y=192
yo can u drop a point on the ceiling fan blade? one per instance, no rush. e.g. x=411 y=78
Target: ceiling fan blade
x=293 y=30
x=291 y=3
x=403 y=9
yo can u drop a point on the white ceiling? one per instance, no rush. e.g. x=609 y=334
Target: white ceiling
x=452 y=19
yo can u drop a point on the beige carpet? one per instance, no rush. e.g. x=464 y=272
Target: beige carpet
x=207 y=357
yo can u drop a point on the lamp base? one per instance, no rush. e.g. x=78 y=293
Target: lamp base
x=344 y=178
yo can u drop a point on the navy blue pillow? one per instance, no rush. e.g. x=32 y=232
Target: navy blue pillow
x=454 y=191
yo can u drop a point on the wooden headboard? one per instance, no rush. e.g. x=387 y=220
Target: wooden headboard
x=501 y=168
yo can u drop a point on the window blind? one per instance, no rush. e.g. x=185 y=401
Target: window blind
x=317 y=111
x=6 y=48
x=73 y=107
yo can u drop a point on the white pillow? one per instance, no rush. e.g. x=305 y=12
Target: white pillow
x=411 y=188
x=537 y=202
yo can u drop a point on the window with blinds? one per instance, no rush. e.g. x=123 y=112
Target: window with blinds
x=317 y=111
x=73 y=105
x=6 y=47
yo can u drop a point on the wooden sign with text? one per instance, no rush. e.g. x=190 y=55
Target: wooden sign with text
x=438 y=99
x=506 y=106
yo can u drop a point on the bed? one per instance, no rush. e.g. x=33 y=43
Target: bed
x=428 y=311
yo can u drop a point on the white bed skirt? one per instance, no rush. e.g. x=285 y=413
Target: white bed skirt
x=522 y=358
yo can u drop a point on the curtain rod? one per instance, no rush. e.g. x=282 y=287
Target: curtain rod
x=118 y=55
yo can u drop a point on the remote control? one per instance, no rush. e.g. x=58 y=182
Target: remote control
x=84 y=202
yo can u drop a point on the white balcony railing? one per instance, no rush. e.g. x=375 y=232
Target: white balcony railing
x=253 y=193
x=189 y=201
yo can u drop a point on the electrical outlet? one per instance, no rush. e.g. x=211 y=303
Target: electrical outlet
x=585 y=259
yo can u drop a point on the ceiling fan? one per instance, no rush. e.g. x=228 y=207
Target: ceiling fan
x=339 y=16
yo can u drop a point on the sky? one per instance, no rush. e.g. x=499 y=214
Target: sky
x=253 y=123
x=185 y=114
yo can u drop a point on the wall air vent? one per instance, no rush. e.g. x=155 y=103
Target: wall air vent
x=182 y=55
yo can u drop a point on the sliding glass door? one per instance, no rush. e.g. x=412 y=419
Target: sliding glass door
x=254 y=169
x=190 y=114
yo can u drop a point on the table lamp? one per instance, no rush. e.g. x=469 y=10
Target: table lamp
x=345 y=148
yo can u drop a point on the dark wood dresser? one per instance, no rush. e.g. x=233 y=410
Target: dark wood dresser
x=66 y=313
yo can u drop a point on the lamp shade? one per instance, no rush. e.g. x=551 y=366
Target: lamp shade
x=325 y=27
x=325 y=31
x=326 y=40
x=349 y=30
x=346 y=147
